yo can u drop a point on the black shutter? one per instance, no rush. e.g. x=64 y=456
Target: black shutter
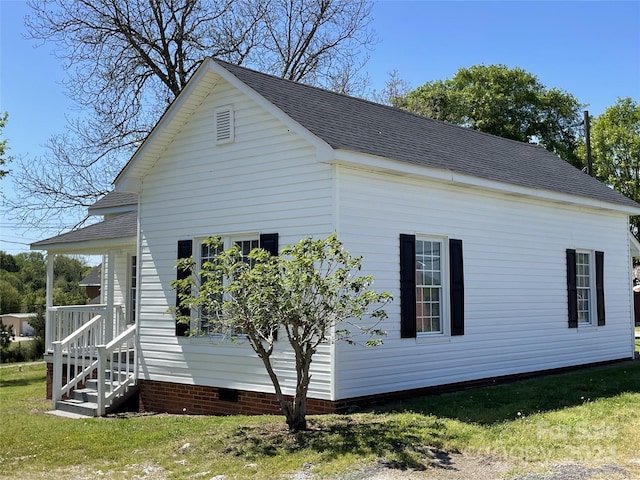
x=572 y=289
x=600 y=287
x=407 y=286
x=456 y=284
x=269 y=242
x=185 y=250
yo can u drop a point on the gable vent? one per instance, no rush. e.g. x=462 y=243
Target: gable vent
x=224 y=124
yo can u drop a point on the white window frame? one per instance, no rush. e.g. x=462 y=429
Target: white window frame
x=590 y=289
x=444 y=319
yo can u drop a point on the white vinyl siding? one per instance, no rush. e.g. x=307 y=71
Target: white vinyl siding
x=267 y=180
x=514 y=276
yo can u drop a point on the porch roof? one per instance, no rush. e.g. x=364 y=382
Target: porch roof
x=113 y=232
x=114 y=202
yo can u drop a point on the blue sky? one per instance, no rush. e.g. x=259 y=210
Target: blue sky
x=591 y=49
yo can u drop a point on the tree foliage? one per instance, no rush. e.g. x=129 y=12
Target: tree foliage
x=4 y=159
x=508 y=102
x=128 y=60
x=23 y=280
x=6 y=333
x=615 y=149
x=311 y=292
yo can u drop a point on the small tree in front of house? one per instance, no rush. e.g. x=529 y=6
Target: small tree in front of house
x=311 y=292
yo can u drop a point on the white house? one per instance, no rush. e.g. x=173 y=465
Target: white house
x=503 y=258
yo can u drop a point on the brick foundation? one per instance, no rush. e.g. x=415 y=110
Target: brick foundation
x=200 y=400
x=177 y=398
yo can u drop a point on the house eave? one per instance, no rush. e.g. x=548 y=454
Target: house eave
x=402 y=168
x=88 y=247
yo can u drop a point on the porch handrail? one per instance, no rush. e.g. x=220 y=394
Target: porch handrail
x=81 y=354
x=64 y=320
x=120 y=356
x=84 y=353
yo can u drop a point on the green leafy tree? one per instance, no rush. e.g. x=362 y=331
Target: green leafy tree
x=615 y=149
x=4 y=159
x=6 y=332
x=10 y=300
x=23 y=281
x=308 y=292
x=508 y=102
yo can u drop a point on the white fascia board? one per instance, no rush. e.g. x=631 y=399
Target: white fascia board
x=324 y=151
x=397 y=167
x=88 y=247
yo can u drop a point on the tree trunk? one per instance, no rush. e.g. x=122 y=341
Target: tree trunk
x=297 y=420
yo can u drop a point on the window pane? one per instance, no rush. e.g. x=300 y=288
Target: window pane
x=245 y=247
x=583 y=284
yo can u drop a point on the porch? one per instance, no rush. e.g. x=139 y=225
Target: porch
x=91 y=351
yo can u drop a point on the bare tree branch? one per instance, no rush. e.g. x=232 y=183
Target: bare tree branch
x=128 y=59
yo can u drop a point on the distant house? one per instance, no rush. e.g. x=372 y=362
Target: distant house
x=503 y=259
x=19 y=323
x=92 y=283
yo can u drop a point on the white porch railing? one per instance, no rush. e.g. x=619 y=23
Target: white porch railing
x=120 y=358
x=62 y=321
x=83 y=355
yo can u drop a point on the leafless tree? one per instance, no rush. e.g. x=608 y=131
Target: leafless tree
x=128 y=59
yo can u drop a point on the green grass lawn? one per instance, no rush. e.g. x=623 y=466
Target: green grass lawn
x=590 y=416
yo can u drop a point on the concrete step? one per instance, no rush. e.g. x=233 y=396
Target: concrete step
x=78 y=407
x=84 y=401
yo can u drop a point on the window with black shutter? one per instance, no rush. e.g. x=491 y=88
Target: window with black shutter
x=585 y=288
x=431 y=289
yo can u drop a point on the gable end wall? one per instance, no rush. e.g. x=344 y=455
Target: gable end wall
x=267 y=180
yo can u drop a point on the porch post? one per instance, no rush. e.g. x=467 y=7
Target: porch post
x=111 y=272
x=48 y=314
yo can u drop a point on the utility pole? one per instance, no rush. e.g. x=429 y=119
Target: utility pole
x=587 y=143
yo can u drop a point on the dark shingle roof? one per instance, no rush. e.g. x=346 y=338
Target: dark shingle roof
x=358 y=125
x=92 y=278
x=116 y=199
x=122 y=226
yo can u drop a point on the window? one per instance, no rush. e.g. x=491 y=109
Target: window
x=585 y=287
x=428 y=286
x=208 y=323
x=207 y=319
x=431 y=286
x=133 y=288
x=204 y=253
